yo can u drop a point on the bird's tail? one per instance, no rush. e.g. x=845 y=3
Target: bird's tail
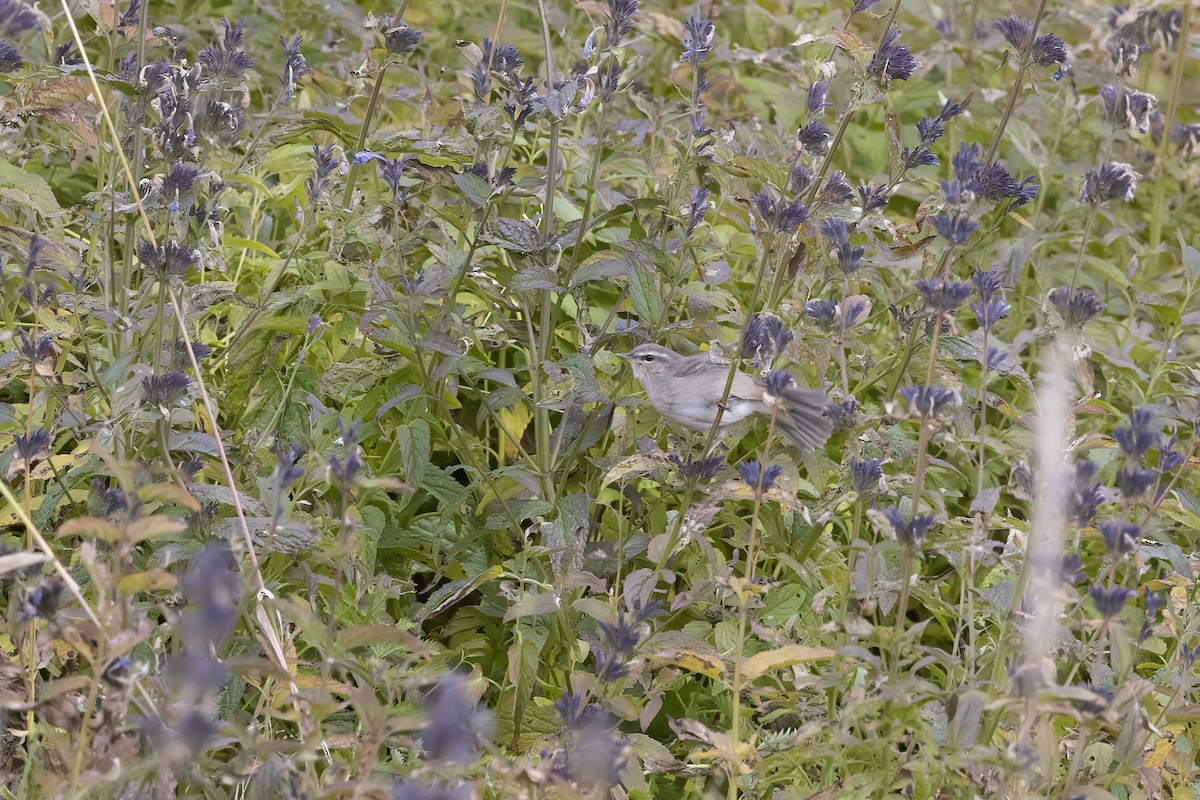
x=799 y=419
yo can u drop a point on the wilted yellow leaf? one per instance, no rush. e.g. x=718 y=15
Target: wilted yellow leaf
x=786 y=656
x=1162 y=748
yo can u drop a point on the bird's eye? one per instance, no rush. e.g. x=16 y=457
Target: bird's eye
x=647 y=358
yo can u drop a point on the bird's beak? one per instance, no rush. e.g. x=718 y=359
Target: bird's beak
x=623 y=355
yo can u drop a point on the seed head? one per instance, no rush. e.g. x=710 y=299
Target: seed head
x=814 y=137
x=167 y=260
x=16 y=18
x=1051 y=51
x=777 y=382
x=836 y=232
x=766 y=338
x=398 y=38
x=1124 y=53
x=1109 y=182
x=1133 y=481
x=943 y=296
x=619 y=21
x=295 y=67
x=872 y=198
x=697 y=468
x=1015 y=30
x=844 y=415
x=32 y=446
x=816 y=99
x=1075 y=307
x=954 y=228
x=166 y=390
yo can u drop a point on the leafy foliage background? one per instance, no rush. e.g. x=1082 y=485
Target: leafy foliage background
x=322 y=477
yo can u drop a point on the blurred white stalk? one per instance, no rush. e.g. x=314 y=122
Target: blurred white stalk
x=1048 y=525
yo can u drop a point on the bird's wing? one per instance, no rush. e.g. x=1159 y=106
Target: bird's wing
x=747 y=389
x=698 y=364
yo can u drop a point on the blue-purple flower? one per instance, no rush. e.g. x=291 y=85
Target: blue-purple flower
x=893 y=59
x=756 y=476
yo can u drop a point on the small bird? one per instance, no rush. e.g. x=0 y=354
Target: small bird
x=688 y=390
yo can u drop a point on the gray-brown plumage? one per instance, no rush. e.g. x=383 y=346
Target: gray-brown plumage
x=688 y=389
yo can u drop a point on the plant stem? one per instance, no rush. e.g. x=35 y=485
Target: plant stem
x=1022 y=66
x=902 y=606
x=593 y=176
x=1087 y=230
x=983 y=400
x=933 y=342
x=1161 y=174
x=364 y=132
x=735 y=724
x=541 y=415
x=733 y=362
x=898 y=374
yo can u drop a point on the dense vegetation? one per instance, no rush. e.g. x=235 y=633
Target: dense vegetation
x=322 y=477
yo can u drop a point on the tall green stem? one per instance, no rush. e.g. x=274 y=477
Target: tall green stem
x=364 y=132
x=1015 y=92
x=1087 y=230
x=541 y=414
x=735 y=722
x=1161 y=174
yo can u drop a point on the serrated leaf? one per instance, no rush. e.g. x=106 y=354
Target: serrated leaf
x=516 y=235
x=600 y=266
x=788 y=655
x=26 y=189
x=644 y=292
x=535 y=278
x=414 y=440
x=474 y=187
x=453 y=593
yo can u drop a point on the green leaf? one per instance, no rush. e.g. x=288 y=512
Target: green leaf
x=516 y=235
x=26 y=189
x=453 y=593
x=414 y=441
x=644 y=291
x=600 y=266
x=445 y=488
x=474 y=187
x=250 y=244
x=1191 y=261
